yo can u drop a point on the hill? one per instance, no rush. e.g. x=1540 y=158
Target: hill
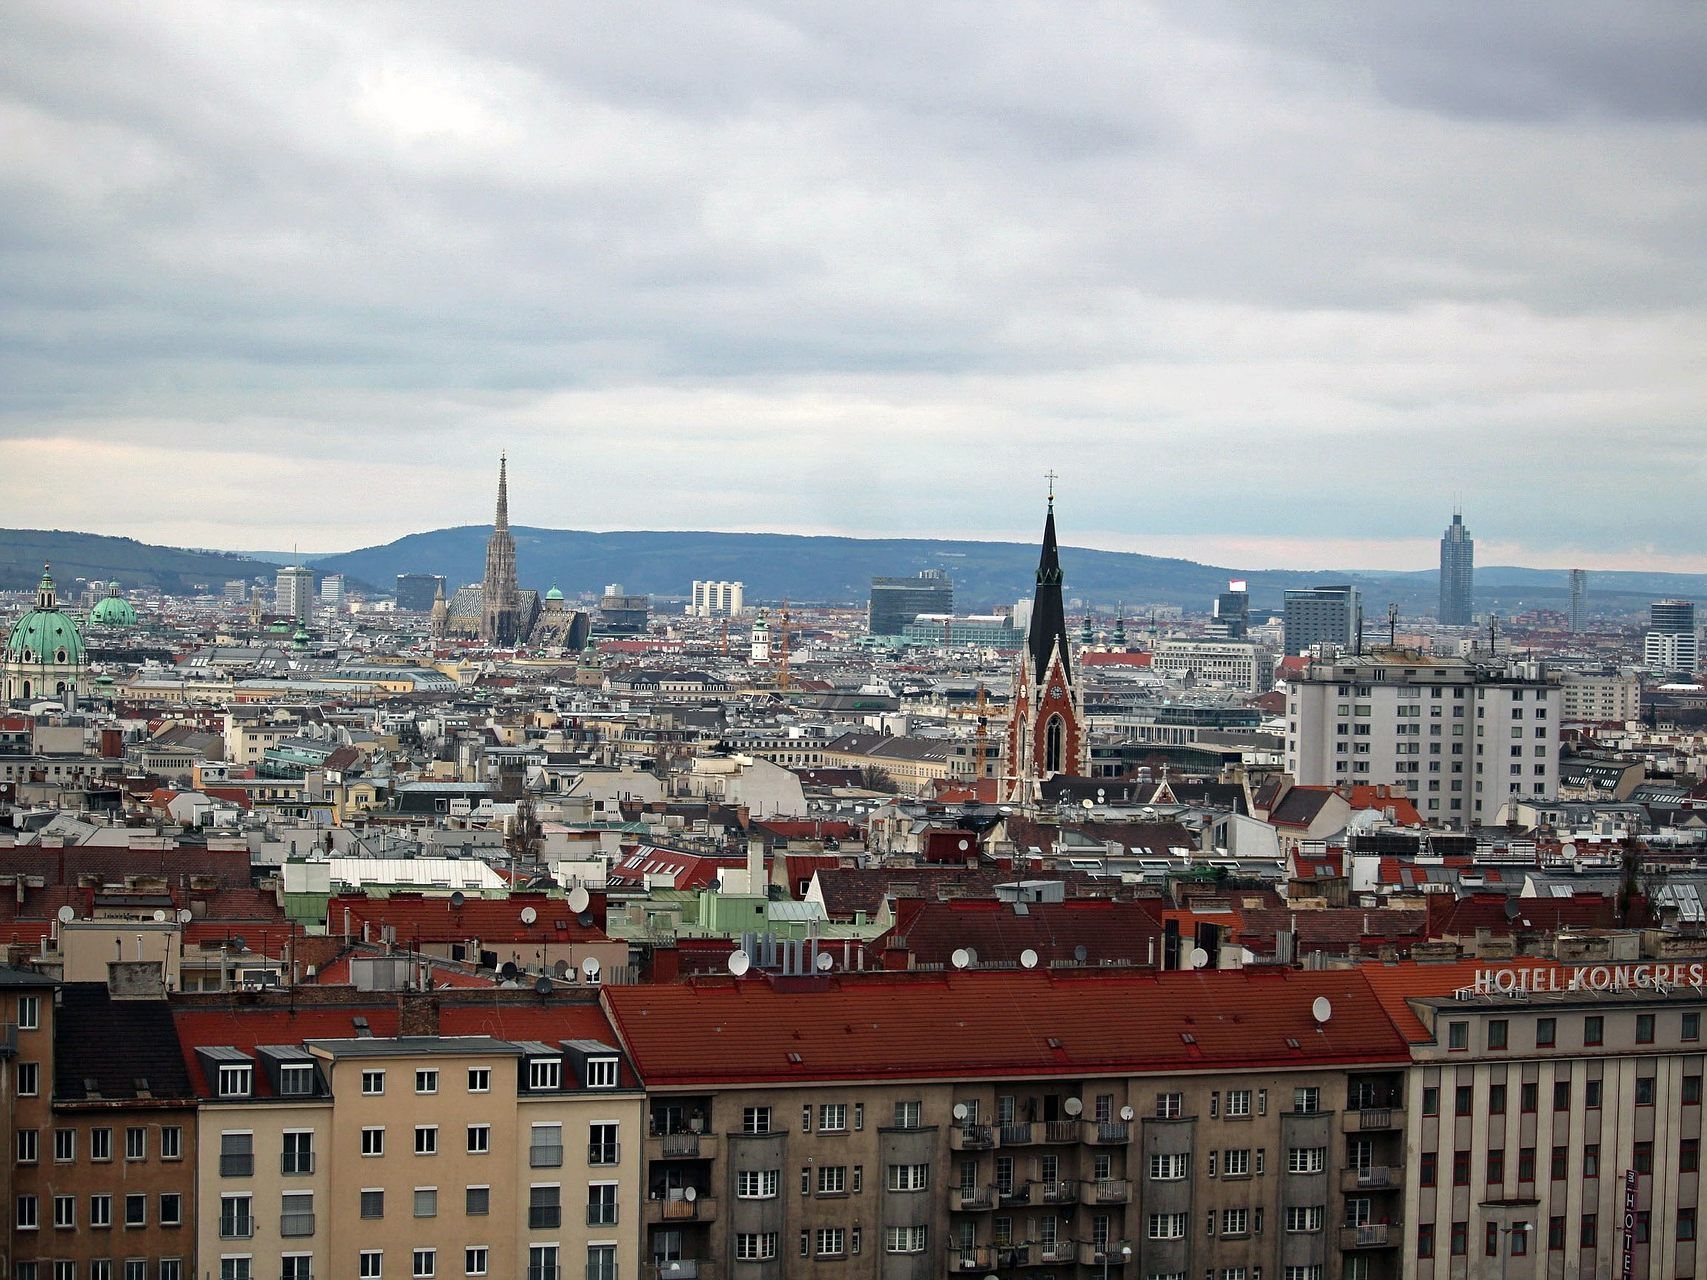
x=92 y=556
x=839 y=570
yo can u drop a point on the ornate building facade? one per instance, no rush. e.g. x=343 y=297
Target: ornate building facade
x=1047 y=734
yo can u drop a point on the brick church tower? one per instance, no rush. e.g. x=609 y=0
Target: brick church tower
x=1047 y=734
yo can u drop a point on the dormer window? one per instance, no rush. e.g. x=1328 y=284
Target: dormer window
x=236 y=1080
x=296 y=1079
x=545 y=1073
x=601 y=1073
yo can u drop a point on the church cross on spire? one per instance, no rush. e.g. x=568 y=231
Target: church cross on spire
x=1052 y=478
x=502 y=520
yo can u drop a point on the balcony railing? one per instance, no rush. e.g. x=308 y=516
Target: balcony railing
x=971 y=1137
x=970 y=1199
x=1107 y=1132
x=1110 y=1191
x=1015 y=1135
x=1367 y=1119
x=1370 y=1178
x=1369 y=1235
x=679 y=1146
x=1054 y=1252
x=967 y=1258
x=1020 y=1194
x=1057 y=1192
x=1060 y=1130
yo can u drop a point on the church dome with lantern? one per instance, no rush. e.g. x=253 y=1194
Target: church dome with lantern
x=114 y=610
x=44 y=656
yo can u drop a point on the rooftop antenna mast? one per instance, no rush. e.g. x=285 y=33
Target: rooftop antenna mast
x=782 y=661
x=1392 y=624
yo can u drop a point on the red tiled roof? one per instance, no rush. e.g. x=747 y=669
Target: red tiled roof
x=899 y=1026
x=1394 y=983
x=245 y=1028
x=1094 y=658
x=1461 y=917
x=1108 y=930
x=420 y=919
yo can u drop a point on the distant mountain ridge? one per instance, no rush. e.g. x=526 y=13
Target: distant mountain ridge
x=804 y=568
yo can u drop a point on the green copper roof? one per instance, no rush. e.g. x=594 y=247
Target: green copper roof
x=114 y=611
x=44 y=636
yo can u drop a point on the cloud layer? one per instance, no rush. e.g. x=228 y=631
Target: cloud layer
x=1283 y=281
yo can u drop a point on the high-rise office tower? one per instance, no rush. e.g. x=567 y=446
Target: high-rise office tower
x=716 y=599
x=1322 y=615
x=293 y=592
x=1457 y=573
x=897 y=601
x=1232 y=611
x=1579 y=597
x=1672 y=644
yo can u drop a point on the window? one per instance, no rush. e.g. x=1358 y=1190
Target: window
x=545 y=1149
x=29 y=1013
x=832 y=1179
x=1238 y=1103
x=1167 y=1226
x=296 y=1213
x=170 y=1269
x=373 y=1202
x=1491 y=1240
x=601 y=1204
x=480 y=1081
x=832 y=1118
x=542 y=1262
x=601 y=1073
x=1594 y=1029
x=1686 y=1224
x=545 y=1207
x=1644 y=1028
x=235 y=1081
x=1460 y=1168
x=1526 y=1164
x=1427 y=1169
x=296 y=1080
x=1590 y=1235
x=1591 y=1160
x=171 y=1209
x=29 y=1079
x=1306 y=1160
x=1591 y=1094
x=373 y=1141
x=425 y=1263
x=136 y=1209
x=755 y=1246
x=479 y=1139
x=1307 y=1101
x=1691 y=1026
x=474 y=1258
x=64 y=1146
x=298 y=1157
x=171 y=1142
x=1305 y=1217
x=426 y=1202
x=1691 y=1091
x=602 y=1146
x=830 y=1242
x=1561 y=1095
x=1642 y=1157
x=1459 y=1244
x=235 y=1268
x=1689 y=1155
x=236 y=1221
x=427 y=1080
x=1546 y=1031
x=135 y=1143
x=1173 y=1167
x=371 y=1264
x=237 y=1154
x=545 y=1073
x=1496 y=1166
x=908 y=1115
x=1458 y=1035
x=1463 y=1100
x=1236 y=1163
x=601 y=1262
x=755 y=1120
x=1169 y=1105
x=29 y=1145
x=1498 y=1030
x=27 y=1218
x=904 y=1239
x=1561 y=1160
x=100 y=1211
x=909 y=1177
x=1496 y=1099
x=477 y=1201
x=373 y=1082
x=426 y=1139
x=1644 y=1091
x=1425 y=1240
x=1430 y=1100
x=1556 y=1233
x=757 y=1184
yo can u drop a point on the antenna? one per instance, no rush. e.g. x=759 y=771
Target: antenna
x=1126 y=1113
x=185 y=915
x=1321 y=1010
x=160 y=916
x=825 y=962
x=561 y=968
x=690 y=1194
x=960 y=1111
x=739 y=962
x=508 y=971
x=1199 y=957
x=67 y=914
x=578 y=899
x=1392 y=624
x=590 y=968
x=1028 y=959
x=529 y=915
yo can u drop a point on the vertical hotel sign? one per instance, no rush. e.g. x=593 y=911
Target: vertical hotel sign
x=1628 y=1226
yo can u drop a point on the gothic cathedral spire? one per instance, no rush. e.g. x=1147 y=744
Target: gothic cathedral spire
x=500 y=601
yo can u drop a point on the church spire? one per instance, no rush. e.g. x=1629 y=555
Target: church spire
x=1048 y=616
x=502 y=520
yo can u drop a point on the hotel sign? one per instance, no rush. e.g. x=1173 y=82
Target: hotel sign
x=1627 y=1227
x=1589 y=979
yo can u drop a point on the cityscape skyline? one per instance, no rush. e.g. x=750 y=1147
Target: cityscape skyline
x=287 y=255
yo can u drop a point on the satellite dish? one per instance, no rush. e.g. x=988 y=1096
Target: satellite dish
x=972 y=954
x=1126 y=1113
x=458 y=898
x=691 y=1194
x=1320 y=1009
x=561 y=968
x=1028 y=959
x=578 y=899
x=185 y=915
x=1512 y=910
x=542 y=985
x=1101 y=794
x=67 y=915
x=509 y=970
x=1199 y=957
x=590 y=968
x=825 y=962
x=529 y=915
x=1089 y=804
x=961 y=958
x=160 y=915
x=1080 y=954
x=715 y=885
x=239 y=943
x=585 y=920
x=960 y=1111
x=963 y=846
x=739 y=963
x=1073 y=1106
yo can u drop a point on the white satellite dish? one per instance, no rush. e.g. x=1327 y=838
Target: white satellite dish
x=960 y=1111
x=185 y=915
x=739 y=963
x=1088 y=804
x=1028 y=959
x=825 y=961
x=159 y=915
x=578 y=899
x=1073 y=1106
x=1199 y=957
x=590 y=967
x=67 y=915
x=1126 y=1113
x=961 y=958
x=1320 y=1009
x=529 y=915
x=964 y=846
x=691 y=1194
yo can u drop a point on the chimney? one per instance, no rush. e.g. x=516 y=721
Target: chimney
x=755 y=865
x=417 y=1014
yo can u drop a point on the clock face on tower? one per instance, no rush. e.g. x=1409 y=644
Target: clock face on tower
x=1055 y=691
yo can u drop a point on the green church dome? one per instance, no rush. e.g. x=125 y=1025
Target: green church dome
x=280 y=628
x=114 y=611
x=554 y=594
x=45 y=636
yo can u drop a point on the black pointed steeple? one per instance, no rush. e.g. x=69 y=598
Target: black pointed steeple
x=1048 y=630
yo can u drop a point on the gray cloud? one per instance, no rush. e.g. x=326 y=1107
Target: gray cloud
x=1270 y=272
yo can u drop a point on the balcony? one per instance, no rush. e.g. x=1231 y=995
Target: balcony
x=681 y=1146
x=1055 y=1192
x=1107 y=1133
x=1058 y=1131
x=1108 y=1191
x=971 y=1137
x=1108 y=1255
x=684 y=1269
x=1013 y=1255
x=1016 y=1135
x=970 y=1199
x=1373 y=1178
x=968 y=1258
x=1370 y=1235
x=1008 y=1196
x=1373 y=1119
x=1053 y=1253
x=678 y=1209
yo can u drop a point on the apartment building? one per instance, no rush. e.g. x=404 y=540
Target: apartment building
x=1232 y=664
x=1462 y=738
x=1601 y=697
x=995 y=1123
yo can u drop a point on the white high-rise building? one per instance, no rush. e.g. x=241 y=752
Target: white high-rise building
x=716 y=599
x=332 y=590
x=1461 y=737
x=293 y=592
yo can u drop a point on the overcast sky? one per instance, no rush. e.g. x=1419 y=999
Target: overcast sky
x=1266 y=284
